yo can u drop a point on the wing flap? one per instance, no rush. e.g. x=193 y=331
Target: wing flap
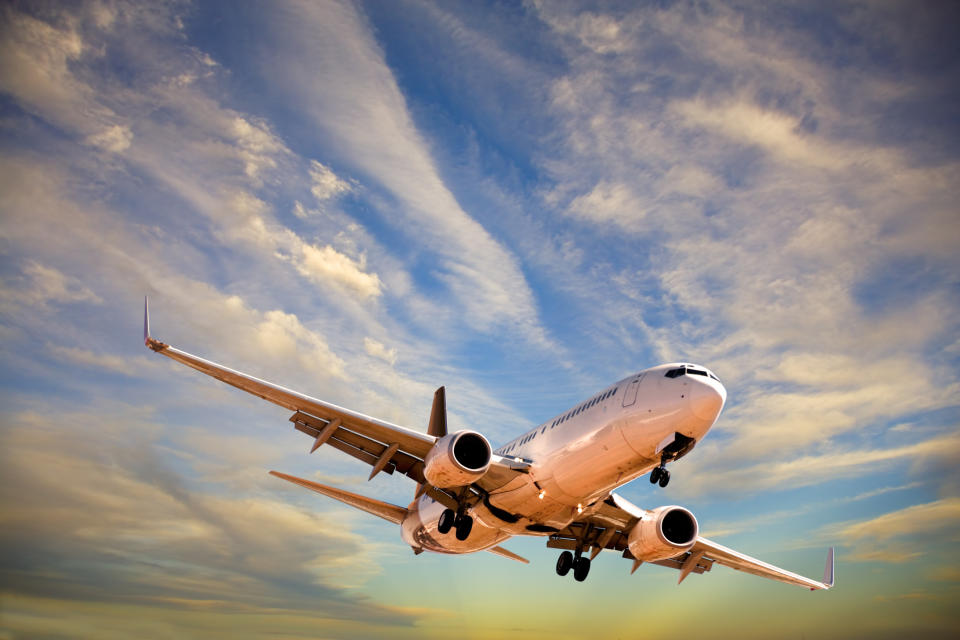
x=359 y=446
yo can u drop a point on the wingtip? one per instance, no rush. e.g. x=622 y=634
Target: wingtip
x=146 y=321
x=151 y=342
x=830 y=569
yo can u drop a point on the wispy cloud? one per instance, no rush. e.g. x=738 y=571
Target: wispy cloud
x=903 y=535
x=130 y=520
x=720 y=476
x=88 y=358
x=520 y=202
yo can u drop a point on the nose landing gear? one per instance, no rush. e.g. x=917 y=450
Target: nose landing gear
x=661 y=475
x=680 y=447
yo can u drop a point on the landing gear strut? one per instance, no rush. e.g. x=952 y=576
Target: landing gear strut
x=661 y=475
x=680 y=447
x=461 y=522
x=579 y=564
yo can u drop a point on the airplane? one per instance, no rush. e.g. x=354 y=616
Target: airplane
x=554 y=481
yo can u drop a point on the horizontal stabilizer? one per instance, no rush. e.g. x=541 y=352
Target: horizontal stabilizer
x=500 y=551
x=385 y=510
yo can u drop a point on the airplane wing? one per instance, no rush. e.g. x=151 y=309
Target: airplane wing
x=386 y=447
x=607 y=525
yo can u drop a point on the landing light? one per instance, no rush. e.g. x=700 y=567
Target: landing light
x=579 y=508
x=542 y=493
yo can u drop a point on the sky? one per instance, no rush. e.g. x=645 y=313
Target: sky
x=524 y=202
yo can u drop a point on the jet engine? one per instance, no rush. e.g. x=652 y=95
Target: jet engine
x=457 y=459
x=663 y=533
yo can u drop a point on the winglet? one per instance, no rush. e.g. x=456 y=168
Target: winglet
x=828 y=571
x=146 y=321
x=152 y=343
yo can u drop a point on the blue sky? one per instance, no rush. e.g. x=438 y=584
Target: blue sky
x=520 y=201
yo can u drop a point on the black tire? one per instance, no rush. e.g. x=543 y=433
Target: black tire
x=580 y=569
x=464 y=526
x=564 y=563
x=664 y=478
x=446 y=521
x=655 y=475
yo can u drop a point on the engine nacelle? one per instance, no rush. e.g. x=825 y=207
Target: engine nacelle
x=457 y=459
x=663 y=533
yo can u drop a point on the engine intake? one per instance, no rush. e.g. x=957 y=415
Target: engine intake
x=457 y=459
x=662 y=533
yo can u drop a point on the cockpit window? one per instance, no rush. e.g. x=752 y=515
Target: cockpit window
x=683 y=371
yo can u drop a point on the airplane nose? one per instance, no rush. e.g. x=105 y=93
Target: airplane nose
x=706 y=399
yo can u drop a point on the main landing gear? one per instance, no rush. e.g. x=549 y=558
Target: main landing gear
x=461 y=522
x=661 y=475
x=579 y=564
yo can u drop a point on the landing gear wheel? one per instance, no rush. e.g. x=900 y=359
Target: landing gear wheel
x=564 y=562
x=464 y=525
x=447 y=518
x=664 y=478
x=581 y=567
x=655 y=475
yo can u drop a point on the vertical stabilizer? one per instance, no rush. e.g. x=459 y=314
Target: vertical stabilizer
x=438 y=414
x=437 y=426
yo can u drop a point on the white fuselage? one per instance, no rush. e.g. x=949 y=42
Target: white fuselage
x=578 y=457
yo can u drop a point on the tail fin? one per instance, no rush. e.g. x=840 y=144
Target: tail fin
x=438 y=414
x=437 y=426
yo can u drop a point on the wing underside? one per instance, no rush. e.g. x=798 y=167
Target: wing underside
x=386 y=447
x=607 y=525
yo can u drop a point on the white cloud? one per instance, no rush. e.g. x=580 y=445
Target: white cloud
x=41 y=285
x=378 y=350
x=258 y=146
x=323 y=263
x=775 y=132
x=326 y=185
x=116 y=138
x=326 y=45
